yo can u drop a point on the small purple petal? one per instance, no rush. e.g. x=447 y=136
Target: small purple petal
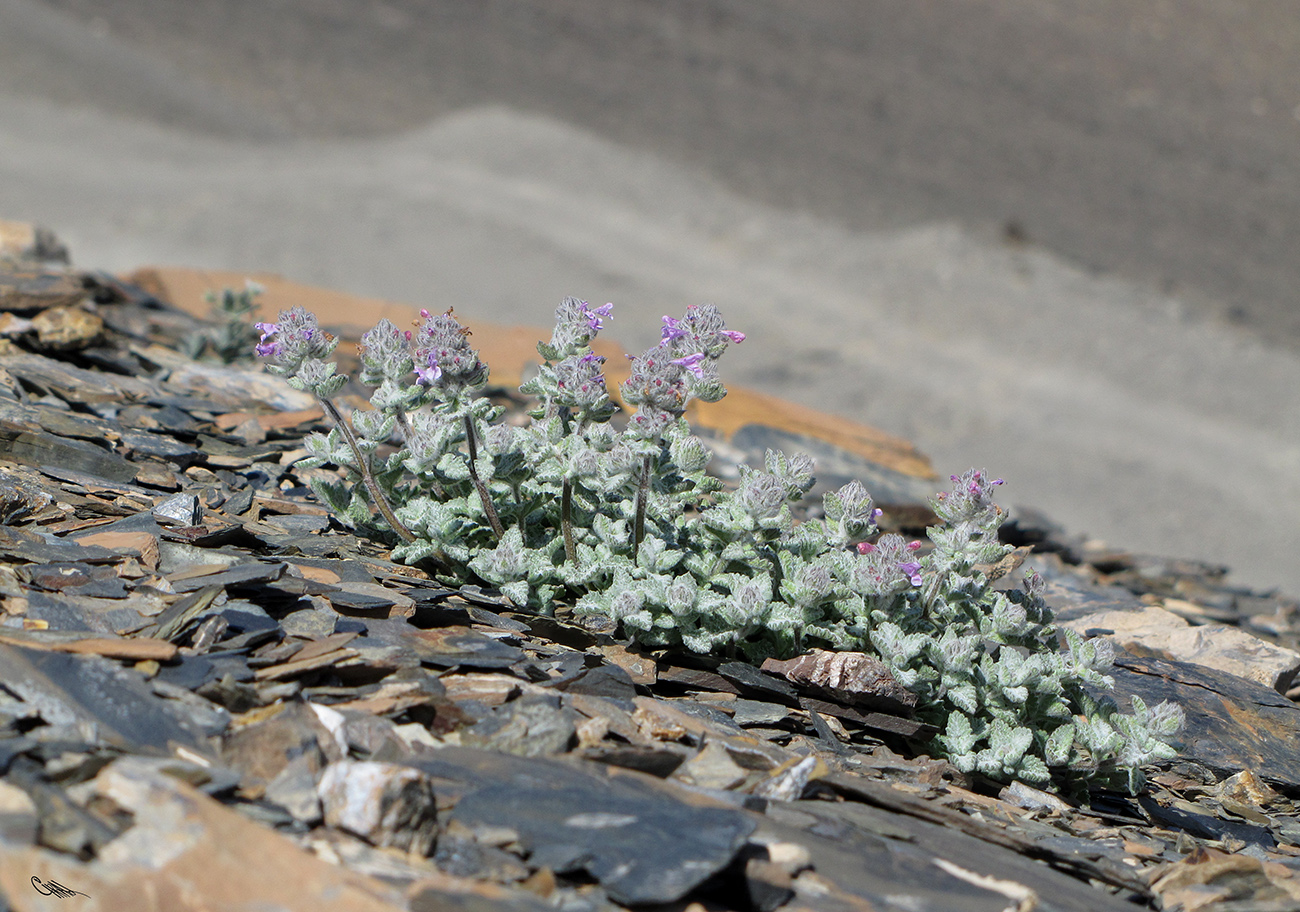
x=266 y=329
x=691 y=363
x=733 y=335
x=268 y=349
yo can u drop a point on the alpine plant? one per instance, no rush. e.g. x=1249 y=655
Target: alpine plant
x=621 y=520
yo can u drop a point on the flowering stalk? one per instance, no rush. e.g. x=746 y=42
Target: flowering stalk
x=299 y=348
x=665 y=378
x=566 y=521
x=367 y=476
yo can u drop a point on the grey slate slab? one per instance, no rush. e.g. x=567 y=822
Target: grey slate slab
x=639 y=839
x=76 y=688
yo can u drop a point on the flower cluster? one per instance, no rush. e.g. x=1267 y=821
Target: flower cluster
x=626 y=523
x=680 y=368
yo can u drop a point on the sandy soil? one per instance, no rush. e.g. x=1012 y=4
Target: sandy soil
x=499 y=156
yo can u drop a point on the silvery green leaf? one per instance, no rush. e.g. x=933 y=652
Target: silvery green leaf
x=414 y=552
x=1167 y=719
x=454 y=466
x=965 y=697
x=958 y=737
x=373 y=424
x=1010 y=743
x=1097 y=735
x=682 y=595
x=1057 y=749
x=704 y=641
x=517 y=592
x=657 y=557
x=964 y=762
x=334 y=494
x=1033 y=770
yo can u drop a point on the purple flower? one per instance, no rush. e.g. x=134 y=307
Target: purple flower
x=429 y=375
x=970 y=500
x=733 y=335
x=264 y=348
x=673 y=329
x=596 y=316
x=912 y=569
x=691 y=363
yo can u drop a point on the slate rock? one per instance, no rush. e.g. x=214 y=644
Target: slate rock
x=1232 y=724
x=1143 y=629
x=850 y=677
x=89 y=689
x=29 y=287
x=186 y=851
x=534 y=725
x=642 y=845
x=39 y=449
x=31 y=243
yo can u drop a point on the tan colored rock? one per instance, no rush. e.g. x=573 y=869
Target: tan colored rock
x=185 y=852
x=23 y=287
x=142 y=544
x=853 y=678
x=713 y=768
x=1153 y=631
x=66 y=328
x=488 y=689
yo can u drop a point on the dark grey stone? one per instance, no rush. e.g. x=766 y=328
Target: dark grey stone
x=642 y=846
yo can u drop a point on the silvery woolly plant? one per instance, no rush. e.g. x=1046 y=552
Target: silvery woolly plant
x=623 y=522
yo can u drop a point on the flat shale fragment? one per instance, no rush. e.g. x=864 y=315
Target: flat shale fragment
x=639 y=841
x=850 y=677
x=187 y=852
x=124 y=711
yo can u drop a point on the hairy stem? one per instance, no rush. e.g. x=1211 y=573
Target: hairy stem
x=363 y=466
x=566 y=521
x=404 y=423
x=483 y=495
x=642 y=494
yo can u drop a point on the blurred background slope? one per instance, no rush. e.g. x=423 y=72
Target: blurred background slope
x=1055 y=239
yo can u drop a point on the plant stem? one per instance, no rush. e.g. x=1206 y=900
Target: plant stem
x=642 y=494
x=404 y=423
x=566 y=521
x=363 y=466
x=483 y=494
